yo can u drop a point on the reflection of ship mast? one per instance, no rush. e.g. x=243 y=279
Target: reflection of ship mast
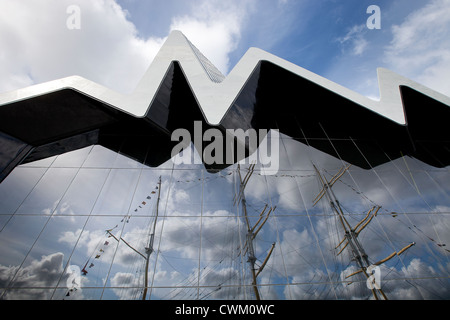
x=351 y=234
x=251 y=232
x=148 y=249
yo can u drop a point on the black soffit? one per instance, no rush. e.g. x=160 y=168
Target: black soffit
x=265 y=93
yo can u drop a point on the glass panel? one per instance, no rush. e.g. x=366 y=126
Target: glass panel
x=46 y=195
x=83 y=226
x=15 y=189
x=73 y=159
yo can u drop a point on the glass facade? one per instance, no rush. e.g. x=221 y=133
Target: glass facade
x=80 y=225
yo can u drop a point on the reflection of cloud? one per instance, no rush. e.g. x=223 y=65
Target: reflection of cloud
x=183 y=235
x=198 y=234
x=122 y=279
x=40 y=274
x=181 y=195
x=424 y=286
x=307 y=292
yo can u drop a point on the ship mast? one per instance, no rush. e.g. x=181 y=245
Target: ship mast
x=351 y=234
x=252 y=231
x=149 y=248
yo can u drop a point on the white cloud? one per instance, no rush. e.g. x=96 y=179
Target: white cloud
x=416 y=47
x=37 y=46
x=40 y=274
x=214 y=28
x=121 y=280
x=354 y=39
x=420 y=48
x=423 y=289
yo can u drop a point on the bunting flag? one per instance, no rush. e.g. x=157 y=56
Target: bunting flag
x=98 y=252
x=143 y=203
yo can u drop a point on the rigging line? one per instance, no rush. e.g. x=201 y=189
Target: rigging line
x=418 y=191
x=201 y=239
x=414 y=285
x=410 y=173
x=191 y=279
x=243 y=183
x=423 y=199
x=84 y=226
x=360 y=192
x=149 y=249
x=127 y=244
x=394 y=198
x=333 y=235
x=275 y=219
x=308 y=214
x=249 y=236
x=344 y=163
x=261 y=285
x=88 y=217
x=176 y=289
x=358 y=252
x=443 y=191
x=158 y=251
x=280 y=215
x=43 y=228
x=406 y=214
x=241 y=228
x=121 y=233
x=241 y=243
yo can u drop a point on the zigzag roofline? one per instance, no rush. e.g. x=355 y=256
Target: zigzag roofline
x=261 y=92
x=215 y=95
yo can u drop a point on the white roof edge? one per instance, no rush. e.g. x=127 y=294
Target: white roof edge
x=216 y=98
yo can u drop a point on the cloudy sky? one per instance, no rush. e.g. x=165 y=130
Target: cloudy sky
x=114 y=45
x=117 y=39
x=57 y=219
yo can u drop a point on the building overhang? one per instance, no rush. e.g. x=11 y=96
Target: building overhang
x=262 y=92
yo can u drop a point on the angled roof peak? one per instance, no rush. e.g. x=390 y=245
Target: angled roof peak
x=216 y=93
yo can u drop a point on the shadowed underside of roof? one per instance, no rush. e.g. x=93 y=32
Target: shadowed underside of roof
x=261 y=92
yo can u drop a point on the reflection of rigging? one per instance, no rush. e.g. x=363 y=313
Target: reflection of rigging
x=226 y=281
x=252 y=231
x=148 y=249
x=351 y=234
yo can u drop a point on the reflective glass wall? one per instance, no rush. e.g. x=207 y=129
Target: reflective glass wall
x=88 y=225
